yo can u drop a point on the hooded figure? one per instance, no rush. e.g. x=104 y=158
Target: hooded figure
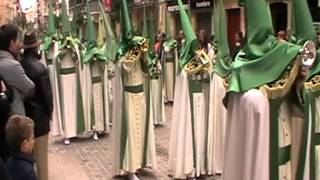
x=190 y=152
x=96 y=90
x=260 y=81
x=217 y=111
x=154 y=83
x=134 y=145
x=68 y=67
x=169 y=59
x=306 y=128
x=50 y=50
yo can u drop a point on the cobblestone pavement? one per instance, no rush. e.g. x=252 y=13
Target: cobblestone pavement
x=86 y=159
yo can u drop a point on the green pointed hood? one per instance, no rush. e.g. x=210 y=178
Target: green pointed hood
x=126 y=23
x=263 y=58
x=223 y=64
x=75 y=19
x=191 y=42
x=145 y=23
x=304 y=30
x=101 y=35
x=170 y=42
x=148 y=32
x=127 y=40
x=51 y=29
x=91 y=33
x=302 y=23
x=66 y=26
x=51 y=33
x=112 y=44
x=92 y=50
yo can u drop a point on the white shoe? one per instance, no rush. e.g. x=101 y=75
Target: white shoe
x=66 y=141
x=133 y=176
x=95 y=136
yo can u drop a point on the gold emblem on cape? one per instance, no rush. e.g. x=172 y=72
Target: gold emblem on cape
x=313 y=84
x=134 y=53
x=281 y=87
x=199 y=63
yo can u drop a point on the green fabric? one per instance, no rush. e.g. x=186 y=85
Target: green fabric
x=91 y=33
x=94 y=52
x=80 y=111
x=263 y=59
x=191 y=42
x=51 y=33
x=151 y=32
x=147 y=121
x=111 y=42
x=170 y=42
x=274 y=105
x=145 y=23
x=304 y=139
x=284 y=154
x=66 y=71
x=75 y=20
x=66 y=26
x=194 y=87
x=126 y=23
x=51 y=29
x=68 y=41
x=127 y=40
x=223 y=64
x=302 y=25
x=101 y=36
x=134 y=89
x=124 y=47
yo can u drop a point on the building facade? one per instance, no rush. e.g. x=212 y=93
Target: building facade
x=9 y=9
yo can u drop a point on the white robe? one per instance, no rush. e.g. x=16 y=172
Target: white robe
x=247 y=145
x=72 y=117
x=189 y=145
x=217 y=120
x=53 y=74
x=169 y=73
x=96 y=95
x=157 y=109
x=129 y=154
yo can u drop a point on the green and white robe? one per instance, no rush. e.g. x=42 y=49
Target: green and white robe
x=169 y=64
x=70 y=93
x=96 y=95
x=134 y=145
x=189 y=154
x=310 y=135
x=157 y=109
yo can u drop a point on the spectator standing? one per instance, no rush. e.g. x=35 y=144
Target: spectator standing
x=238 y=38
x=20 y=136
x=38 y=107
x=13 y=77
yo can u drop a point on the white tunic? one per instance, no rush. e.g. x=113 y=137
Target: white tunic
x=189 y=145
x=247 y=145
x=130 y=122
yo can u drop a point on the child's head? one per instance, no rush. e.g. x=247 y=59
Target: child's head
x=19 y=134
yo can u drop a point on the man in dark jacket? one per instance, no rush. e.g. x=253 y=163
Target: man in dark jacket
x=38 y=107
x=13 y=76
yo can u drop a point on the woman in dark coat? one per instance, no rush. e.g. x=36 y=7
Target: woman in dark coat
x=39 y=107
